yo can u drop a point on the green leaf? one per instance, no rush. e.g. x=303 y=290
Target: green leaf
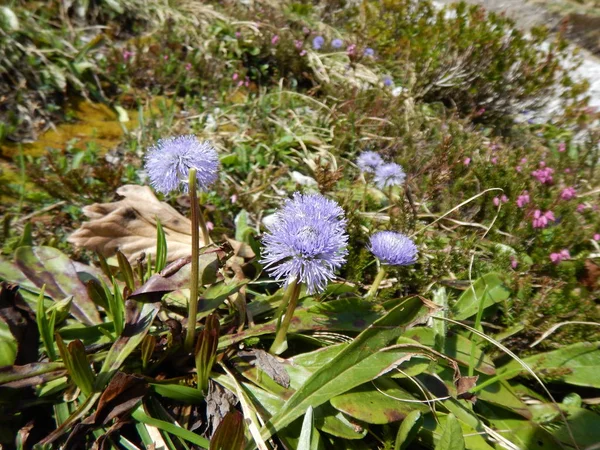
x=455 y=346
x=161 y=248
x=218 y=292
x=46 y=326
x=577 y=364
x=8 y=345
x=307 y=430
x=176 y=430
x=229 y=435
x=379 y=402
x=489 y=288
x=408 y=430
x=47 y=265
x=137 y=326
x=452 y=436
x=185 y=394
x=352 y=366
x=126 y=271
x=584 y=424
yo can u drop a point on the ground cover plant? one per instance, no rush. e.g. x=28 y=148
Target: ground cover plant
x=320 y=225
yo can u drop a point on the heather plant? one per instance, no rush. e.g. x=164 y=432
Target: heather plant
x=354 y=242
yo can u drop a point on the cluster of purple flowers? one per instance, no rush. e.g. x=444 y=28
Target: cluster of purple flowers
x=523 y=199
x=502 y=199
x=384 y=174
x=394 y=249
x=318 y=43
x=568 y=193
x=543 y=174
x=306 y=242
x=168 y=163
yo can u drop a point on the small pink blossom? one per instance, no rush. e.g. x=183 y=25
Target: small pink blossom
x=503 y=198
x=581 y=208
x=523 y=199
x=188 y=67
x=523 y=160
x=247 y=82
x=567 y=170
x=542 y=163
x=275 y=39
x=210 y=226
x=568 y=193
x=233 y=198
x=467 y=161
x=561 y=256
x=235 y=76
x=540 y=219
x=303 y=52
x=166 y=57
x=513 y=262
x=494 y=160
x=127 y=55
x=562 y=147
x=305 y=31
x=496 y=201
x=238 y=35
x=298 y=44
x=351 y=50
x=597 y=237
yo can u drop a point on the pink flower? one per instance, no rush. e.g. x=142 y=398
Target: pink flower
x=597 y=237
x=275 y=39
x=235 y=76
x=555 y=258
x=166 y=57
x=247 y=82
x=188 y=67
x=542 y=164
x=581 y=208
x=351 y=50
x=518 y=169
x=523 y=160
x=562 y=147
x=233 y=198
x=540 y=219
x=568 y=193
x=504 y=198
x=303 y=52
x=238 y=35
x=513 y=262
x=467 y=161
x=564 y=254
x=210 y=226
x=567 y=170
x=496 y=201
x=127 y=55
x=298 y=44
x=494 y=160
x=523 y=199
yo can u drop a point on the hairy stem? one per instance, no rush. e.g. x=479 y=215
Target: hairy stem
x=376 y=282
x=196 y=223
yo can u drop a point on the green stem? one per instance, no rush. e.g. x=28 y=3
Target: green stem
x=291 y=298
x=376 y=282
x=193 y=303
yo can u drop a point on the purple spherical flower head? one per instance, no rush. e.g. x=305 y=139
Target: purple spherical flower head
x=306 y=243
x=387 y=81
x=337 y=43
x=318 y=42
x=393 y=248
x=390 y=174
x=168 y=163
x=369 y=52
x=369 y=161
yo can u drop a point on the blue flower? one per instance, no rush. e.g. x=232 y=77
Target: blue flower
x=369 y=52
x=395 y=249
x=168 y=163
x=387 y=81
x=369 y=161
x=390 y=174
x=306 y=242
x=318 y=42
x=337 y=43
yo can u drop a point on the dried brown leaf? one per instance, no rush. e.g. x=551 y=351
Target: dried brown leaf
x=129 y=225
x=272 y=366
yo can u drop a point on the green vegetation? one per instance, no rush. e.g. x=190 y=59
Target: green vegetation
x=500 y=197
